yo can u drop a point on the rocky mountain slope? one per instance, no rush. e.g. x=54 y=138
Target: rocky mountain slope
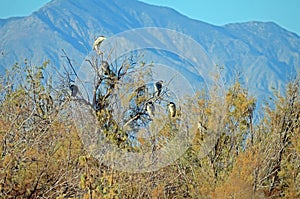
x=264 y=54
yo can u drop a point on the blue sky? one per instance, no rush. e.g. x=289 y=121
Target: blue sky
x=218 y=12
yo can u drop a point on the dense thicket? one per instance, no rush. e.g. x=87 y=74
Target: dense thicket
x=42 y=155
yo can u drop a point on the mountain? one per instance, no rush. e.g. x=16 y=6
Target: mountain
x=265 y=54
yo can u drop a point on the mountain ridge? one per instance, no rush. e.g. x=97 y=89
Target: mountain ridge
x=264 y=52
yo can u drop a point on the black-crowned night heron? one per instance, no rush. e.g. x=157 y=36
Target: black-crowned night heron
x=74 y=90
x=150 y=108
x=172 y=109
x=140 y=91
x=45 y=103
x=105 y=68
x=201 y=127
x=97 y=43
x=158 y=87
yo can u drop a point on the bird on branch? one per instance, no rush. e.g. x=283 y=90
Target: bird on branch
x=158 y=88
x=150 y=109
x=97 y=43
x=74 y=90
x=105 y=68
x=172 y=109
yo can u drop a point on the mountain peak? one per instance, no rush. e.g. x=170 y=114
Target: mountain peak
x=263 y=51
x=258 y=27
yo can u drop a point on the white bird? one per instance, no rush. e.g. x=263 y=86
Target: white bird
x=150 y=109
x=172 y=109
x=74 y=90
x=158 y=87
x=97 y=43
x=105 y=68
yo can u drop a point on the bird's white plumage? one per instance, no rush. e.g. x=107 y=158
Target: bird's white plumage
x=74 y=90
x=172 y=109
x=97 y=43
x=150 y=109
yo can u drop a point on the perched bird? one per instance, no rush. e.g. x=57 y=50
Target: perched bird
x=97 y=43
x=150 y=109
x=140 y=95
x=74 y=90
x=140 y=91
x=201 y=127
x=45 y=104
x=172 y=109
x=105 y=68
x=158 y=87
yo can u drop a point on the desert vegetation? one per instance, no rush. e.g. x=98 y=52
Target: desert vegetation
x=43 y=154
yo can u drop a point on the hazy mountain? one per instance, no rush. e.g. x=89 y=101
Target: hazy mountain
x=265 y=54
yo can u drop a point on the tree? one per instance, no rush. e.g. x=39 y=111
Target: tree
x=43 y=152
x=277 y=143
x=40 y=147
